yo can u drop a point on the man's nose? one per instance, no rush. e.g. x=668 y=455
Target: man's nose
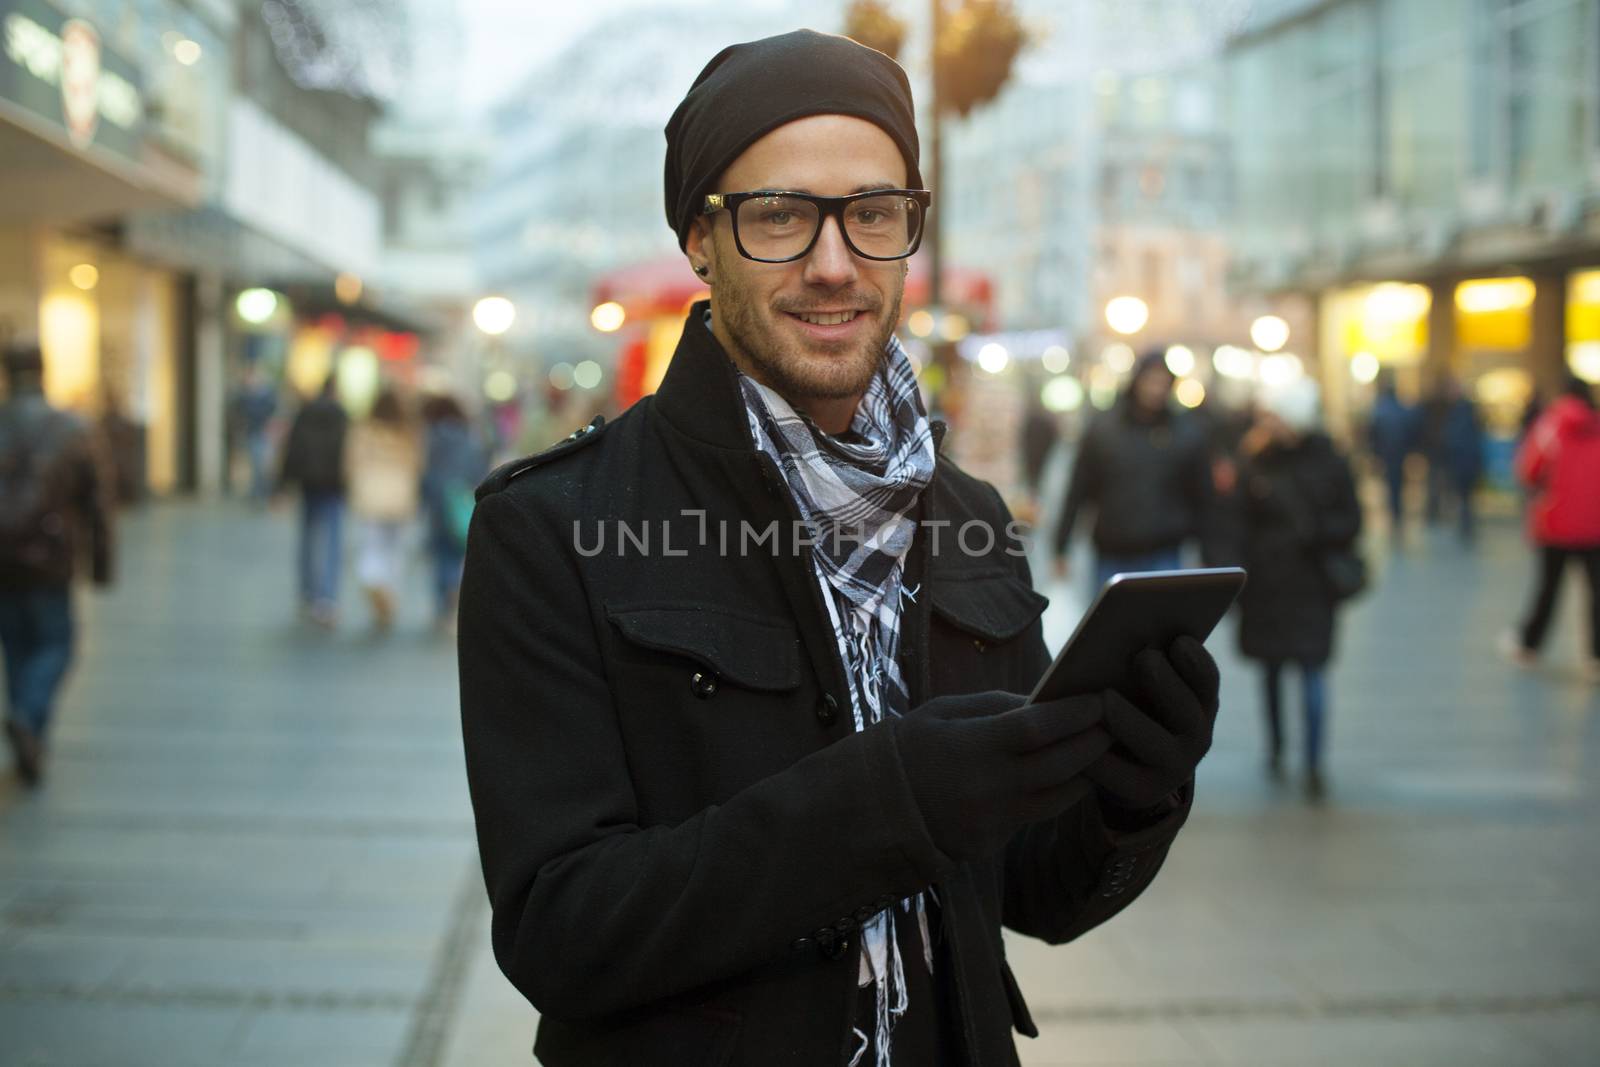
x=830 y=264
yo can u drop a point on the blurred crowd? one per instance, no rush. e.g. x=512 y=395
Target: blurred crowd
x=1265 y=487
x=410 y=464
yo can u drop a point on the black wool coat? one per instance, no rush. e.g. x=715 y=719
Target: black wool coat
x=680 y=828
x=1295 y=504
x=1147 y=479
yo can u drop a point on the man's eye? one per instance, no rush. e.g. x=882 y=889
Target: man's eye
x=870 y=217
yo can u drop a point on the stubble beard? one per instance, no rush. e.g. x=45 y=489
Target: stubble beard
x=796 y=371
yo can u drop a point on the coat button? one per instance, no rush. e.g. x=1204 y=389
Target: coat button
x=864 y=915
x=800 y=944
x=827 y=710
x=703 y=684
x=846 y=925
x=977 y=643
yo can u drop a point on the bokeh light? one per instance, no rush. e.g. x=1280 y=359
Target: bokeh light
x=494 y=315
x=608 y=317
x=1269 y=333
x=1127 y=314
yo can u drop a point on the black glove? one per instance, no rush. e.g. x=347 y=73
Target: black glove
x=1162 y=726
x=984 y=765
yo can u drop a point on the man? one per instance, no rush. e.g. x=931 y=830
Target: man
x=254 y=406
x=1453 y=441
x=313 y=459
x=55 y=504
x=1392 y=437
x=1146 y=470
x=768 y=799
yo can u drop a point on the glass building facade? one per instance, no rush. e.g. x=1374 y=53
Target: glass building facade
x=1430 y=171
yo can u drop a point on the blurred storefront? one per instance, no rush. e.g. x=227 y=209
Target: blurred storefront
x=1428 y=173
x=86 y=140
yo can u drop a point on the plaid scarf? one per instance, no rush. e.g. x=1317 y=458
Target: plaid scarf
x=855 y=492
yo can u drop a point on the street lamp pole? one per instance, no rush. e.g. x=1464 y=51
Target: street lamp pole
x=936 y=164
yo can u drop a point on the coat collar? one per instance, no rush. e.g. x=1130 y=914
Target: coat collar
x=700 y=397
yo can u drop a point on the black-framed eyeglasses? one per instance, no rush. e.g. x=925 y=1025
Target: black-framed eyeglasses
x=778 y=226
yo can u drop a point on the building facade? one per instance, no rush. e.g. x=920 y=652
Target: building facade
x=163 y=157
x=1428 y=171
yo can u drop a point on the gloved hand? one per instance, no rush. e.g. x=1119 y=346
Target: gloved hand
x=984 y=765
x=1162 y=725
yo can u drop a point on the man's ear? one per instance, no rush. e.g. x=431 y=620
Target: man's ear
x=701 y=247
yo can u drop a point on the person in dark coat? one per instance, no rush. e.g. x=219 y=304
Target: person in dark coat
x=255 y=405
x=1040 y=435
x=314 y=460
x=1145 y=468
x=56 y=511
x=1453 y=441
x=1298 y=504
x=1392 y=436
x=456 y=461
x=740 y=671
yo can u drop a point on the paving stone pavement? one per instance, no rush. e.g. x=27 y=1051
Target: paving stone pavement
x=255 y=846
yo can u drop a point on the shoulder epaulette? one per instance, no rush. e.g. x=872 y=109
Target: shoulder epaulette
x=502 y=475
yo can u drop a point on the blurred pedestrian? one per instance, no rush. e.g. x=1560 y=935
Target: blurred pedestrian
x=313 y=460
x=123 y=444
x=254 y=407
x=1040 y=435
x=1145 y=468
x=55 y=506
x=384 y=471
x=1299 y=519
x=457 y=460
x=1392 y=436
x=1560 y=460
x=1453 y=442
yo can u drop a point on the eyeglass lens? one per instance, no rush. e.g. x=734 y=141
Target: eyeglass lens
x=780 y=227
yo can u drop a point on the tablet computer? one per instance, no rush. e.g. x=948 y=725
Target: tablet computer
x=1133 y=612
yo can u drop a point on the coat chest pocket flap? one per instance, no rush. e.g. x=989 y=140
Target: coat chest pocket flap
x=754 y=651
x=992 y=604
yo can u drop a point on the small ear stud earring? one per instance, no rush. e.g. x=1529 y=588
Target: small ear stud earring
x=702 y=270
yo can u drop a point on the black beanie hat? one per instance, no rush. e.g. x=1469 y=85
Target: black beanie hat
x=748 y=90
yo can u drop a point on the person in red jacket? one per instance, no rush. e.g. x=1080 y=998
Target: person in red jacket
x=1560 y=460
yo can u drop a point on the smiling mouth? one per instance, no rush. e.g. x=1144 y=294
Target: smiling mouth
x=825 y=318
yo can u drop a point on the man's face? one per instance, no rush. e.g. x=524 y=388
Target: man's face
x=758 y=308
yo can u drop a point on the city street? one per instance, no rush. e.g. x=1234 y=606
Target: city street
x=255 y=847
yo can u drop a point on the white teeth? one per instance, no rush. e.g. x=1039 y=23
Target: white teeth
x=828 y=320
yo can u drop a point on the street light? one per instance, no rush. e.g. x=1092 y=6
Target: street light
x=1364 y=367
x=256 y=306
x=1118 y=357
x=608 y=317
x=494 y=315
x=993 y=357
x=1269 y=333
x=1127 y=314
